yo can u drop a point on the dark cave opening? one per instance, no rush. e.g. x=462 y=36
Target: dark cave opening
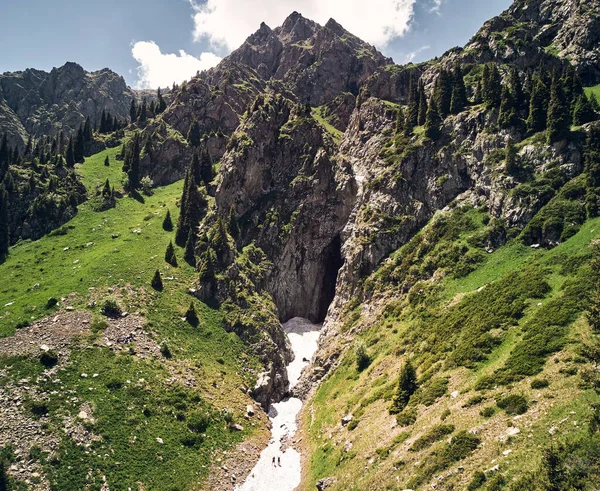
x=332 y=262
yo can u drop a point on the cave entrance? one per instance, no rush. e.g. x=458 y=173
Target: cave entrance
x=332 y=262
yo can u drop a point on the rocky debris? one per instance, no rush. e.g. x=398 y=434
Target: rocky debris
x=250 y=410
x=54 y=333
x=325 y=483
x=346 y=420
x=236 y=427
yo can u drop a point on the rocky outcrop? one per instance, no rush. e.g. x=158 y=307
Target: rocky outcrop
x=316 y=62
x=292 y=199
x=47 y=103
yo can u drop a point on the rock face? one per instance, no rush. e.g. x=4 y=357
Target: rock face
x=280 y=176
x=34 y=102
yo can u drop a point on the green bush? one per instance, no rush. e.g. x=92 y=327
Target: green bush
x=198 y=422
x=513 y=404
x=111 y=308
x=488 y=412
x=473 y=401
x=165 y=350
x=49 y=359
x=362 y=357
x=539 y=383
x=435 y=434
x=477 y=481
x=114 y=384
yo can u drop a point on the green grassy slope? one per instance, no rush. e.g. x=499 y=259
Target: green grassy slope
x=540 y=336
x=114 y=254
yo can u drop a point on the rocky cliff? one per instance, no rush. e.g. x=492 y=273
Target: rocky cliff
x=36 y=103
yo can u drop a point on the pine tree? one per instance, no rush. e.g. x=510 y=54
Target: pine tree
x=507 y=116
x=459 y=91
x=87 y=131
x=4 y=224
x=102 y=128
x=78 y=146
x=407 y=386
x=106 y=191
x=400 y=120
x=157 y=283
x=206 y=169
x=190 y=316
x=559 y=123
x=143 y=111
x=167 y=224
x=477 y=94
x=70 y=153
x=412 y=116
x=107 y=161
x=133 y=111
x=170 y=255
x=443 y=93
x=234 y=228
x=492 y=86
x=194 y=136
x=196 y=170
x=583 y=112
x=592 y=172
x=189 y=254
x=422 y=105
x=193 y=204
x=433 y=121
x=161 y=105
x=594 y=103
x=516 y=90
x=511 y=159
x=537 y=119
x=133 y=163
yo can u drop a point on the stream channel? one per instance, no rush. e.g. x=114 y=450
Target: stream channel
x=285 y=474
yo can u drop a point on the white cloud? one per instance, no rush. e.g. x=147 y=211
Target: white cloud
x=227 y=23
x=411 y=56
x=157 y=69
x=436 y=6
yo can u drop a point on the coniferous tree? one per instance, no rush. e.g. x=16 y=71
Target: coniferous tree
x=516 y=90
x=407 y=386
x=133 y=111
x=107 y=162
x=106 y=191
x=234 y=228
x=167 y=224
x=170 y=255
x=190 y=316
x=559 y=123
x=477 y=94
x=4 y=230
x=538 y=113
x=157 y=283
x=194 y=136
x=583 y=112
x=408 y=127
x=132 y=163
x=400 y=120
x=206 y=169
x=592 y=172
x=459 y=91
x=196 y=170
x=412 y=116
x=102 y=128
x=189 y=254
x=443 y=93
x=422 y=105
x=70 y=153
x=433 y=121
x=143 y=111
x=491 y=86
x=594 y=103
x=4 y=157
x=507 y=116
x=87 y=130
x=511 y=159
x=78 y=146
x=161 y=105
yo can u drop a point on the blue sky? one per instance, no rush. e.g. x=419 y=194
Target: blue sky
x=43 y=34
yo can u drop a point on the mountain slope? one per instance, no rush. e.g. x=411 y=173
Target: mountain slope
x=46 y=103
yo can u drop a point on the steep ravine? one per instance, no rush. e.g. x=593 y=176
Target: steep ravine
x=279 y=465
